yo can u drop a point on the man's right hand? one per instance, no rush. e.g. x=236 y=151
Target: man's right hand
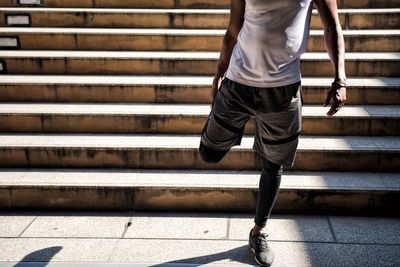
x=337 y=93
x=334 y=42
x=214 y=89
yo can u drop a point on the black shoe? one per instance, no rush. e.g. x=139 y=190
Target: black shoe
x=263 y=254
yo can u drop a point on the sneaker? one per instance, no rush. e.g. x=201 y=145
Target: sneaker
x=263 y=254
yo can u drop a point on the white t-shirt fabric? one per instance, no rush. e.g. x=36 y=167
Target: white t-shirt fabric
x=269 y=45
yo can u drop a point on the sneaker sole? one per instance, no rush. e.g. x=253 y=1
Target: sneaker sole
x=255 y=258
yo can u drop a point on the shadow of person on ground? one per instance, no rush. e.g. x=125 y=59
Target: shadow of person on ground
x=239 y=255
x=40 y=257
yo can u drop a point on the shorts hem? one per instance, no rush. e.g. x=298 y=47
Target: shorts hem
x=267 y=157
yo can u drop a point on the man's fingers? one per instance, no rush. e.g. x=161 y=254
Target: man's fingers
x=336 y=106
x=332 y=110
x=328 y=99
x=338 y=93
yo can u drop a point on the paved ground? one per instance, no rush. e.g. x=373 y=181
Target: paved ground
x=171 y=239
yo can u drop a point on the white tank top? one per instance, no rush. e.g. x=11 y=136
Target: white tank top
x=270 y=43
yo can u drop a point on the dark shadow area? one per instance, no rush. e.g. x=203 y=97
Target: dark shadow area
x=241 y=254
x=40 y=257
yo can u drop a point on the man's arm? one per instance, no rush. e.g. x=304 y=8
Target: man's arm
x=334 y=44
x=230 y=38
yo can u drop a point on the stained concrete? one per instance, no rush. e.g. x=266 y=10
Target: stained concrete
x=237 y=252
x=178 y=80
x=297 y=240
x=12 y=224
x=195 y=178
x=175 y=225
x=56 y=249
x=187 y=141
x=368 y=230
x=93 y=264
x=284 y=228
x=182 y=251
x=76 y=224
x=186 y=18
x=176 y=109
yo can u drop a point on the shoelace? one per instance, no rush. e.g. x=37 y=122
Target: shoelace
x=261 y=241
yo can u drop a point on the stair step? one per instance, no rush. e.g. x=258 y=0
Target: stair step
x=174 y=18
x=181 y=119
x=372 y=18
x=175 y=4
x=172 y=89
x=319 y=153
x=176 y=63
x=172 y=39
x=176 y=190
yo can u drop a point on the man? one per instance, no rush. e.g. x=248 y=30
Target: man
x=262 y=47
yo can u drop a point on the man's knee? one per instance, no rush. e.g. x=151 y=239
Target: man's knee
x=210 y=155
x=271 y=168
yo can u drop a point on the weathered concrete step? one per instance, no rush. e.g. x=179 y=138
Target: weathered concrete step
x=109 y=264
x=171 y=239
x=171 y=39
x=181 y=119
x=316 y=153
x=176 y=63
x=211 y=191
x=172 y=89
x=174 y=3
x=174 y=18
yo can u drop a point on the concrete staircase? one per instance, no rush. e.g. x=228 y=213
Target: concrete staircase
x=102 y=103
